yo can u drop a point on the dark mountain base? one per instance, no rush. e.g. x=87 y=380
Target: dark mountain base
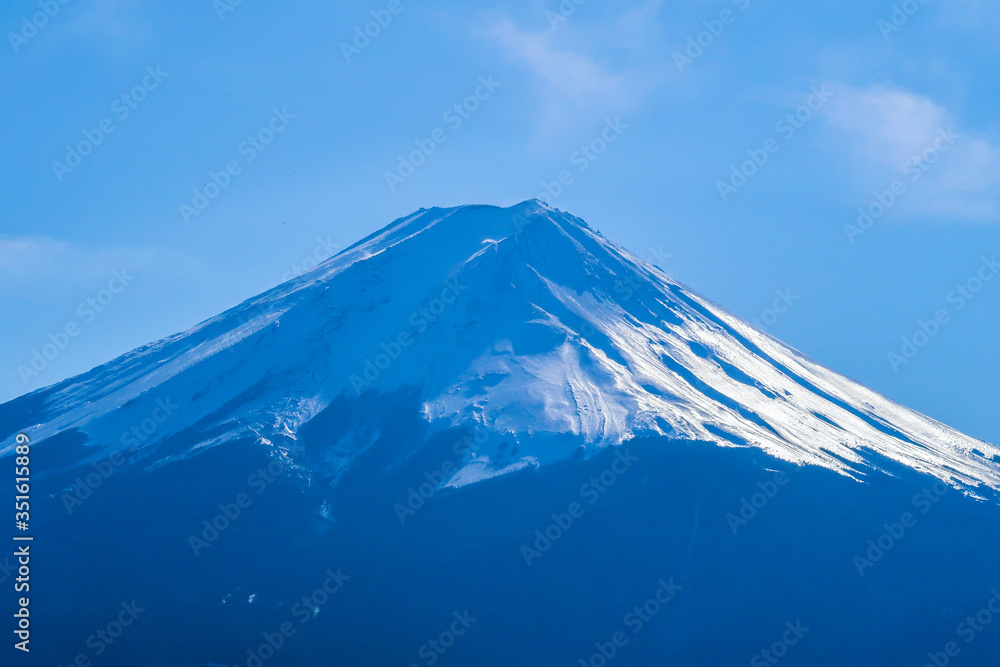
x=656 y=522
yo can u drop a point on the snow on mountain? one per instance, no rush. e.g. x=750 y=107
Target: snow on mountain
x=523 y=320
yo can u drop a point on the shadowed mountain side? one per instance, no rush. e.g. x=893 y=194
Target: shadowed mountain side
x=649 y=511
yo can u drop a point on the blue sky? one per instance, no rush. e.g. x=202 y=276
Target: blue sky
x=162 y=163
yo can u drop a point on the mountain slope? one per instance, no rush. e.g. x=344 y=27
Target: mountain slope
x=523 y=320
x=500 y=416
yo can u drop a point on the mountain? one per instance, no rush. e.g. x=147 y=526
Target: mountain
x=491 y=436
x=523 y=320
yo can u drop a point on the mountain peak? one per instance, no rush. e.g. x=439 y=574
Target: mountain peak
x=522 y=320
x=472 y=220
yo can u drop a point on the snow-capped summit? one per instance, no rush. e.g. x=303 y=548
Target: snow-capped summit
x=523 y=320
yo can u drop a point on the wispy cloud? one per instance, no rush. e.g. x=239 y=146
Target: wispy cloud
x=580 y=69
x=34 y=261
x=894 y=133
x=110 y=26
x=980 y=14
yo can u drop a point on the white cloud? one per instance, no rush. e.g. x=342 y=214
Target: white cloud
x=890 y=133
x=110 y=26
x=571 y=76
x=886 y=125
x=977 y=14
x=584 y=72
x=37 y=261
